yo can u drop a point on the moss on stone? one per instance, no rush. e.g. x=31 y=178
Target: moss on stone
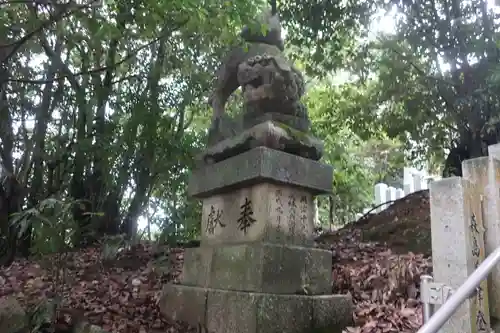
x=300 y=136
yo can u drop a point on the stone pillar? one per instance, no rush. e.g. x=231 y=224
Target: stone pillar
x=408 y=188
x=458 y=248
x=492 y=224
x=380 y=196
x=417 y=182
x=485 y=172
x=391 y=194
x=256 y=270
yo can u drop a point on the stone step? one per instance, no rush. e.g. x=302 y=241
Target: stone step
x=225 y=311
x=260 y=267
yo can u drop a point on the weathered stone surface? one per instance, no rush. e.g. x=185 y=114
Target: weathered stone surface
x=232 y=312
x=271 y=134
x=265 y=212
x=495 y=325
x=331 y=313
x=485 y=173
x=272 y=79
x=184 y=303
x=226 y=126
x=244 y=312
x=263 y=73
x=197 y=266
x=492 y=224
x=299 y=122
x=257 y=166
x=457 y=218
x=13 y=319
x=279 y=313
x=279 y=269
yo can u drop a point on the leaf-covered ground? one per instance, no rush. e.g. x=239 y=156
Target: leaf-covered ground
x=122 y=295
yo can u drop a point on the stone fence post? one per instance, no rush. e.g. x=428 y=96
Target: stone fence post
x=462 y=219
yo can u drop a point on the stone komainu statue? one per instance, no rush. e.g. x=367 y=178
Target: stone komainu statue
x=270 y=83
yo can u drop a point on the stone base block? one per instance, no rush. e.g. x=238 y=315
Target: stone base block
x=224 y=311
x=260 y=213
x=273 y=131
x=260 y=165
x=279 y=269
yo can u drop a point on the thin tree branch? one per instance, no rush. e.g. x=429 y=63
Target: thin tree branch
x=20 y=42
x=95 y=70
x=438 y=86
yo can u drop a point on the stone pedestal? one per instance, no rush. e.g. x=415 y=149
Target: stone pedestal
x=256 y=270
x=273 y=132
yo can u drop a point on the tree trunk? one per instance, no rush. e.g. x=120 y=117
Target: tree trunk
x=11 y=192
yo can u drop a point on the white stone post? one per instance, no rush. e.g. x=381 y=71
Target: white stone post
x=380 y=196
x=390 y=195
x=408 y=188
x=417 y=182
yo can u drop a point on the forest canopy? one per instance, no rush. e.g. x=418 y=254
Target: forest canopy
x=103 y=105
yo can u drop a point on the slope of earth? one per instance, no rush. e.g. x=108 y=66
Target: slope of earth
x=121 y=295
x=404 y=226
